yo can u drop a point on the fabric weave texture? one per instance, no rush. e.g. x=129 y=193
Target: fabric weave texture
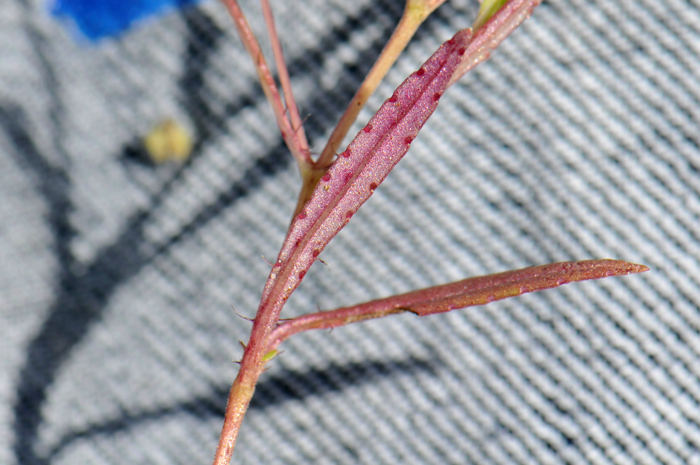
x=119 y=278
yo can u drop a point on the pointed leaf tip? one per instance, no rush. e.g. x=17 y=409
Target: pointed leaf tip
x=639 y=268
x=487 y=289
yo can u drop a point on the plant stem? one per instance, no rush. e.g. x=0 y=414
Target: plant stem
x=295 y=142
x=252 y=366
x=285 y=82
x=238 y=401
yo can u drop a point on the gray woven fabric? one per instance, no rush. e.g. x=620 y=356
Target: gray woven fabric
x=578 y=139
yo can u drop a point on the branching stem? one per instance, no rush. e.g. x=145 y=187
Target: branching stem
x=348 y=182
x=291 y=134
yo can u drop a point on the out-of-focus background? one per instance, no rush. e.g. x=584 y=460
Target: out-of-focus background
x=118 y=273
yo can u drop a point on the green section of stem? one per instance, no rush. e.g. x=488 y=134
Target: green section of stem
x=488 y=9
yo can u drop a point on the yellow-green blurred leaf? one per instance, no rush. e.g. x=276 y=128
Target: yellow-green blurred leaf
x=488 y=9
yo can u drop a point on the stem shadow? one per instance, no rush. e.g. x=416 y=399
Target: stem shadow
x=270 y=392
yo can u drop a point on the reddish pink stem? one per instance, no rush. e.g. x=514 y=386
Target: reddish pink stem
x=348 y=183
x=285 y=82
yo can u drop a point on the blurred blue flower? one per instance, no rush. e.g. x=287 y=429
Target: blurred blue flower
x=97 y=19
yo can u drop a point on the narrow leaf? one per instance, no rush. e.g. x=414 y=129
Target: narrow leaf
x=357 y=172
x=460 y=294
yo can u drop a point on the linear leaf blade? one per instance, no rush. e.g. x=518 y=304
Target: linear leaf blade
x=460 y=294
x=357 y=172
